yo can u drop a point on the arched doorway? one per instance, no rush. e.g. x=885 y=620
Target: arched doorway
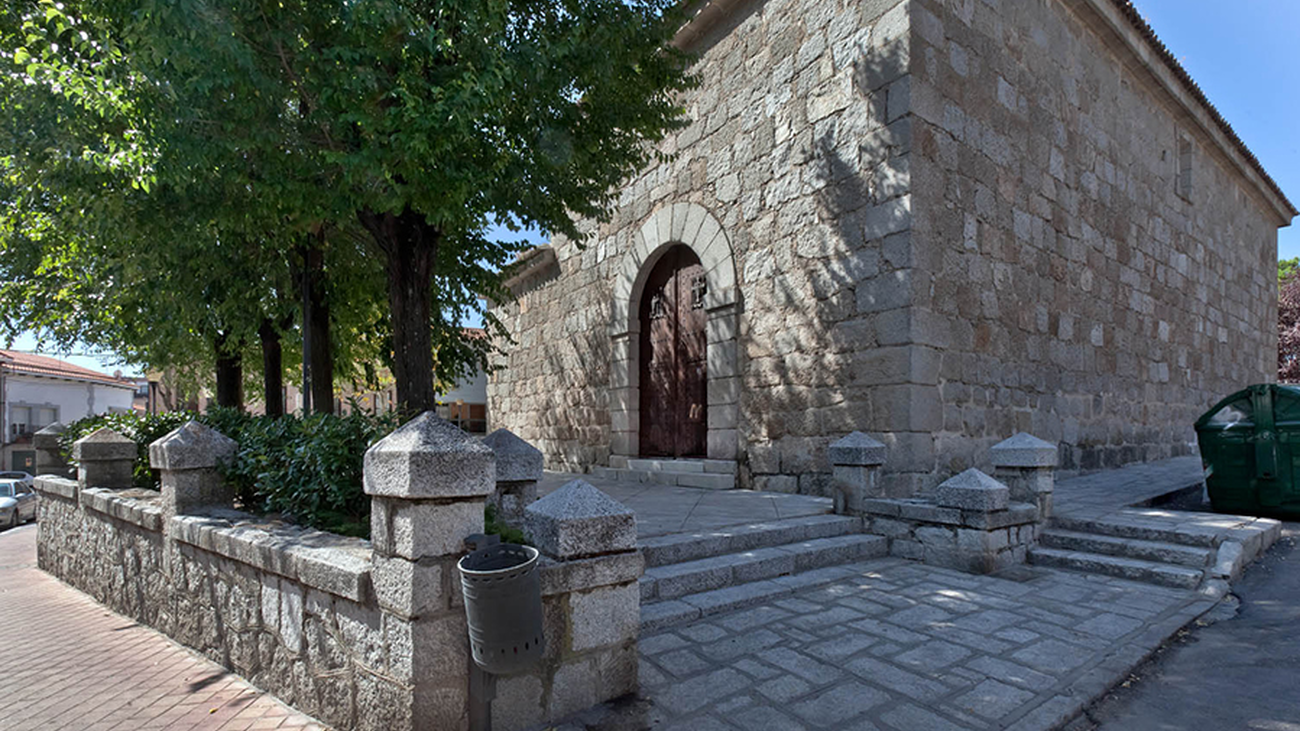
x=674 y=357
x=691 y=227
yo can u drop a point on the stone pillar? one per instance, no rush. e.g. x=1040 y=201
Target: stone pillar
x=855 y=463
x=428 y=484
x=1027 y=465
x=105 y=459
x=519 y=467
x=49 y=454
x=188 y=460
x=983 y=544
x=591 y=601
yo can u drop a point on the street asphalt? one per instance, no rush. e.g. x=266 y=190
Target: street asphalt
x=1237 y=673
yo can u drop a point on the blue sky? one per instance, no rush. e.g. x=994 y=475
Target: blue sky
x=1243 y=55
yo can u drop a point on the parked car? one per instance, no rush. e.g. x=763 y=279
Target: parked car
x=15 y=475
x=17 y=502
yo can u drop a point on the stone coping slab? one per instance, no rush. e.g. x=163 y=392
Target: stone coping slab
x=133 y=505
x=59 y=486
x=332 y=563
x=920 y=509
x=562 y=577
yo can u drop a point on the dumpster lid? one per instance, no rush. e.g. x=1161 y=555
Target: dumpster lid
x=1238 y=409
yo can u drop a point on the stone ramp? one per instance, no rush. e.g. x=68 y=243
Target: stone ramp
x=1137 y=484
x=1103 y=525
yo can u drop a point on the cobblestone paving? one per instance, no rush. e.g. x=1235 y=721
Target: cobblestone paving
x=904 y=647
x=69 y=663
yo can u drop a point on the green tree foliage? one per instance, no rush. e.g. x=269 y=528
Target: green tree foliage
x=1286 y=268
x=413 y=125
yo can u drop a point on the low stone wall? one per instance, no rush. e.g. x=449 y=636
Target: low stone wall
x=968 y=522
x=360 y=635
x=975 y=541
x=290 y=610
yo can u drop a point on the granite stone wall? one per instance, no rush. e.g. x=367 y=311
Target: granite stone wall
x=363 y=635
x=800 y=152
x=950 y=221
x=294 y=618
x=1073 y=284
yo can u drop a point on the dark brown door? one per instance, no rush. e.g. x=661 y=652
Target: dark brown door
x=674 y=418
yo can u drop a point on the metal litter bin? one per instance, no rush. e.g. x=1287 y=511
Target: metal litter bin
x=503 y=607
x=1250 y=442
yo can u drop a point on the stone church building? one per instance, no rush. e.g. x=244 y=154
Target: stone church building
x=936 y=221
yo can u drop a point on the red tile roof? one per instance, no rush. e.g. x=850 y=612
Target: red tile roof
x=28 y=364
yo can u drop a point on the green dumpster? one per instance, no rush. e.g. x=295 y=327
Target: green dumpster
x=1250 y=445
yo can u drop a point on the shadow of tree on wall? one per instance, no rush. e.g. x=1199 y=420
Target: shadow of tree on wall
x=802 y=389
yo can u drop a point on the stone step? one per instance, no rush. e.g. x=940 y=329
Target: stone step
x=666 y=613
x=719 y=572
x=707 y=480
x=681 y=547
x=1150 y=572
x=1159 y=552
x=1143 y=531
x=647 y=464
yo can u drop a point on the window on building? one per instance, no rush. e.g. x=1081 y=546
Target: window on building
x=1183 y=183
x=20 y=421
x=43 y=417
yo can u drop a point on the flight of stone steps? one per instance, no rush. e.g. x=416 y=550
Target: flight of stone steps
x=714 y=474
x=697 y=574
x=1149 y=554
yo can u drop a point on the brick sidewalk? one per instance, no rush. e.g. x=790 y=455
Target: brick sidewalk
x=68 y=663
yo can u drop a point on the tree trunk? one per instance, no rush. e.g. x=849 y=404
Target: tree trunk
x=410 y=246
x=318 y=351
x=272 y=369
x=322 y=351
x=230 y=373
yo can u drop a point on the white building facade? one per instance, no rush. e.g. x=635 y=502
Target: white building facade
x=36 y=391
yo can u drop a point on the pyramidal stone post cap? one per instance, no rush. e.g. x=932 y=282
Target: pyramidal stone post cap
x=1024 y=450
x=973 y=490
x=103 y=445
x=191 y=446
x=429 y=457
x=517 y=460
x=47 y=438
x=857 y=449
x=579 y=520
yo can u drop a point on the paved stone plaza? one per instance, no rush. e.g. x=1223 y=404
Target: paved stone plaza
x=69 y=663
x=903 y=646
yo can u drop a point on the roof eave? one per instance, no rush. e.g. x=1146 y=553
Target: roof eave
x=1145 y=51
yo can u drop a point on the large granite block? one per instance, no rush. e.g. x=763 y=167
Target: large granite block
x=191 y=446
x=578 y=520
x=856 y=449
x=973 y=490
x=1023 y=450
x=103 y=445
x=429 y=457
x=517 y=460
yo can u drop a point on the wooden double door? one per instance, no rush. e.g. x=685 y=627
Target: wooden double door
x=674 y=358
